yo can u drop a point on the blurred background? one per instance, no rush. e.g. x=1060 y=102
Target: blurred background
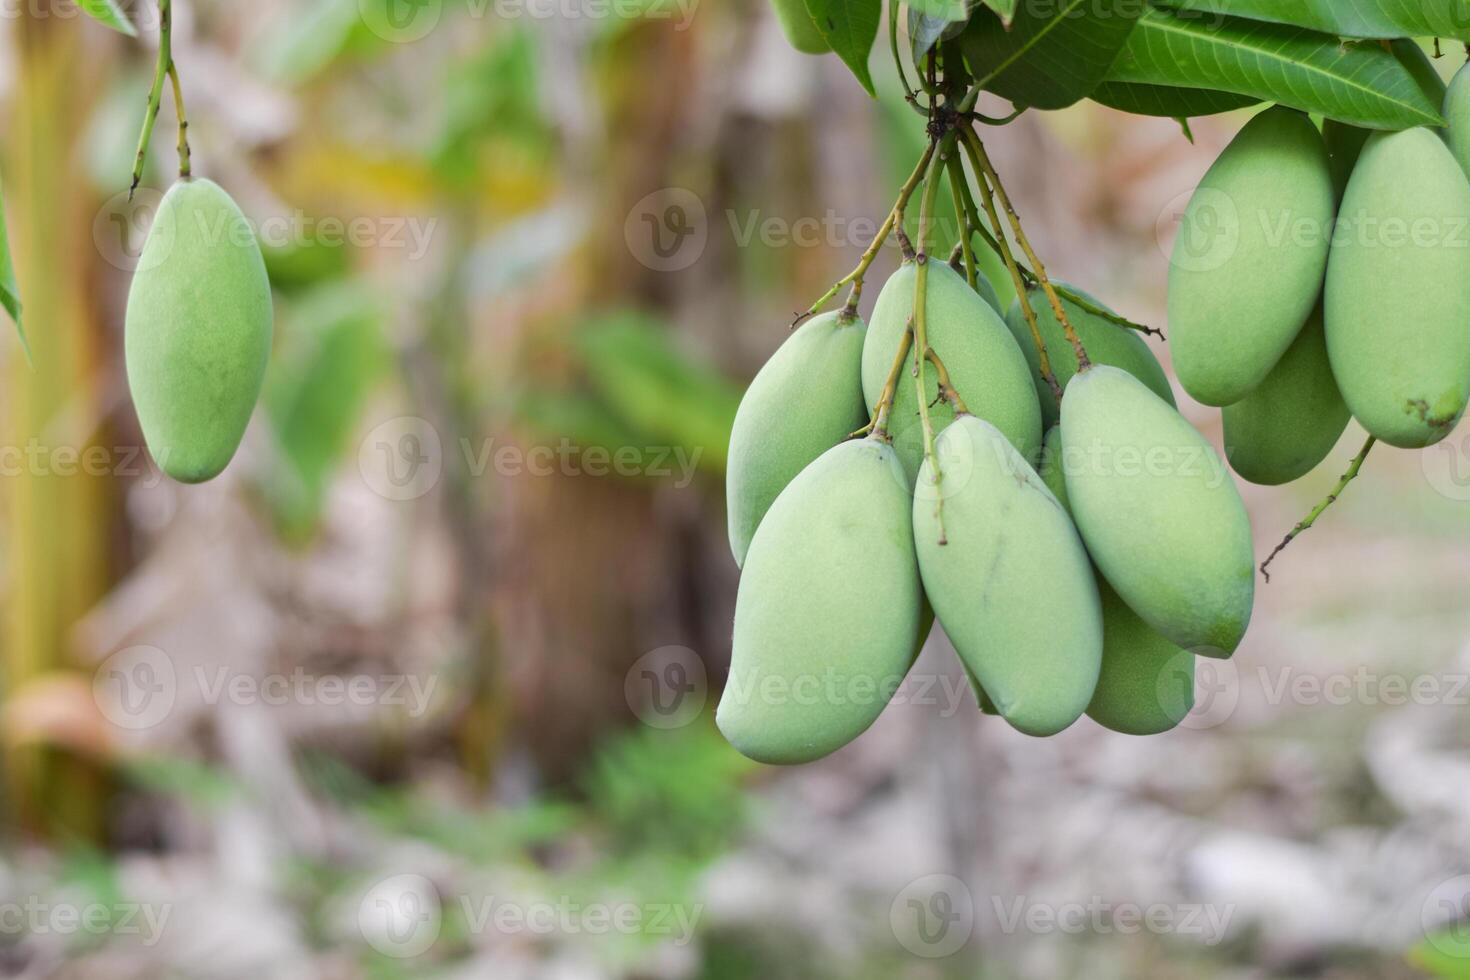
x=423 y=685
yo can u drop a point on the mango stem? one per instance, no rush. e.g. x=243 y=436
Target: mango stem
x=1321 y=508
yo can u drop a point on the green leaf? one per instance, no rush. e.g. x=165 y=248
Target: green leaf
x=1381 y=19
x=1051 y=58
x=934 y=20
x=1445 y=954
x=109 y=13
x=850 y=27
x=1361 y=83
x=9 y=291
x=1161 y=100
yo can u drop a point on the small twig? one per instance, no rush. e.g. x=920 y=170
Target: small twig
x=1321 y=508
x=894 y=220
x=956 y=173
x=879 y=424
x=998 y=241
x=921 y=332
x=186 y=165
x=155 y=94
x=982 y=161
x=947 y=391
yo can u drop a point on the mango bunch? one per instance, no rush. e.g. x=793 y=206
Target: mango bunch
x=1070 y=579
x=198 y=331
x=1325 y=275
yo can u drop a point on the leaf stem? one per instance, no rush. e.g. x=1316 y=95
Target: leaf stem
x=1321 y=508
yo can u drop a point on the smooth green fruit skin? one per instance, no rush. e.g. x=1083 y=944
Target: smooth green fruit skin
x=1248 y=264
x=198 y=331
x=1146 y=685
x=1398 y=290
x=1106 y=343
x=1011 y=550
x=806 y=399
x=1161 y=516
x=1457 y=113
x=1282 y=430
x=799 y=28
x=984 y=363
x=827 y=611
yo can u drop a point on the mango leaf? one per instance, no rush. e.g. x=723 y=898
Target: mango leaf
x=936 y=20
x=1416 y=60
x=109 y=13
x=1361 y=83
x=1005 y=8
x=9 y=291
x=1162 y=100
x=1053 y=54
x=1381 y=19
x=850 y=27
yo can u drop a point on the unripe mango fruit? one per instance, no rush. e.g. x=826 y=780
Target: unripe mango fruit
x=1289 y=424
x=984 y=363
x=806 y=399
x=198 y=332
x=1160 y=515
x=1010 y=552
x=1146 y=685
x=1105 y=342
x=1248 y=264
x=1457 y=114
x=827 y=611
x=1398 y=290
x=799 y=28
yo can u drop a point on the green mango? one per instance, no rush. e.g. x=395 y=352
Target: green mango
x=1051 y=471
x=198 y=331
x=984 y=363
x=1162 y=519
x=1457 y=113
x=1146 y=685
x=806 y=399
x=1008 y=545
x=801 y=31
x=987 y=292
x=1289 y=424
x=1106 y=343
x=1398 y=290
x=1248 y=264
x=827 y=611
x=1344 y=146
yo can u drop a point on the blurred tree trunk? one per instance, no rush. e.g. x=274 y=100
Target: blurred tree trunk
x=57 y=525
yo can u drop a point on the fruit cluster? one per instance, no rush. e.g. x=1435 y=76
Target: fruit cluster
x=1081 y=551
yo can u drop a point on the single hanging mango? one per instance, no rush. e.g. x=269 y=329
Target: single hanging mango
x=198 y=331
